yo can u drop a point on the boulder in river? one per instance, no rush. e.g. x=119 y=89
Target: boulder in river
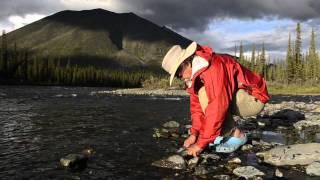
x=247 y=172
x=172 y=162
x=296 y=154
x=313 y=169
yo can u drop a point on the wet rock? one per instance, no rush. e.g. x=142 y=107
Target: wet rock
x=289 y=114
x=175 y=135
x=247 y=172
x=313 y=169
x=208 y=158
x=74 y=161
x=235 y=160
x=246 y=147
x=314 y=121
x=278 y=173
x=204 y=170
x=171 y=124
x=172 y=162
x=161 y=133
x=88 y=152
x=192 y=163
x=297 y=154
x=222 y=177
x=3 y=94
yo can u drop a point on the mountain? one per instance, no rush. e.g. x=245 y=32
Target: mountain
x=97 y=37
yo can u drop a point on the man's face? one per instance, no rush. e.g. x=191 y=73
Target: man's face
x=185 y=73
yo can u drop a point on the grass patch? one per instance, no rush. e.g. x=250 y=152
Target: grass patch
x=293 y=89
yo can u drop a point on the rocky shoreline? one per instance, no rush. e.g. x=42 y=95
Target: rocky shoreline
x=284 y=142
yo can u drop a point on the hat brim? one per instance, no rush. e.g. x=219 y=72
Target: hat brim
x=189 y=51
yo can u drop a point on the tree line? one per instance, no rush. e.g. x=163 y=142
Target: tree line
x=296 y=68
x=21 y=67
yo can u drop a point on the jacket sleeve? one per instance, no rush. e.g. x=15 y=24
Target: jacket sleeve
x=196 y=114
x=219 y=94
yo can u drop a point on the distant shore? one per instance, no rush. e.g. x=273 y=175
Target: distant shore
x=147 y=92
x=178 y=92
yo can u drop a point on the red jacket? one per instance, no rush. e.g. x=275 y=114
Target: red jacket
x=221 y=79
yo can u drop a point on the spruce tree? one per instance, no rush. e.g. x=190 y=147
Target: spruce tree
x=253 y=58
x=290 y=63
x=4 y=55
x=298 y=56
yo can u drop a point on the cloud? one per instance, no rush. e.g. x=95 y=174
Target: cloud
x=197 y=14
x=19 y=21
x=22 y=7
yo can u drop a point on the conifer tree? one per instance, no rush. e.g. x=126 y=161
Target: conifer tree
x=298 y=56
x=290 y=63
x=4 y=55
x=253 y=58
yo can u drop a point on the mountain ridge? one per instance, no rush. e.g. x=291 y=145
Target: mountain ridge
x=121 y=39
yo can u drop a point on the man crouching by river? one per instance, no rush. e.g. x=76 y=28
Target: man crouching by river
x=219 y=88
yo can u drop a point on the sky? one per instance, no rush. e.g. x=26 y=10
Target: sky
x=221 y=24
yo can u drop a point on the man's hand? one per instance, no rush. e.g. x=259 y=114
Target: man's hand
x=189 y=141
x=194 y=150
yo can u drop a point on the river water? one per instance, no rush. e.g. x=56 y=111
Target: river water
x=39 y=125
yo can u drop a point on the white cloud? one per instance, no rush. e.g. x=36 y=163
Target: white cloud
x=20 y=21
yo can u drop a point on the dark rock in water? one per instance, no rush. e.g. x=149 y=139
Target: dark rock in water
x=247 y=172
x=74 y=161
x=161 y=133
x=77 y=161
x=209 y=158
x=171 y=124
x=289 y=114
x=203 y=170
x=88 y=152
x=172 y=162
x=296 y=154
x=313 y=169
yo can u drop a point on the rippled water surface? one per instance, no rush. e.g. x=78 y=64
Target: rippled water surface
x=39 y=125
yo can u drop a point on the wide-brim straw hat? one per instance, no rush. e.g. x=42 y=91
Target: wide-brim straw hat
x=175 y=56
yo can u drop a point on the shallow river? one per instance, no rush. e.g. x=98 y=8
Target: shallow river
x=39 y=125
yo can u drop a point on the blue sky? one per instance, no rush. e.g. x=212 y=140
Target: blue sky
x=219 y=24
